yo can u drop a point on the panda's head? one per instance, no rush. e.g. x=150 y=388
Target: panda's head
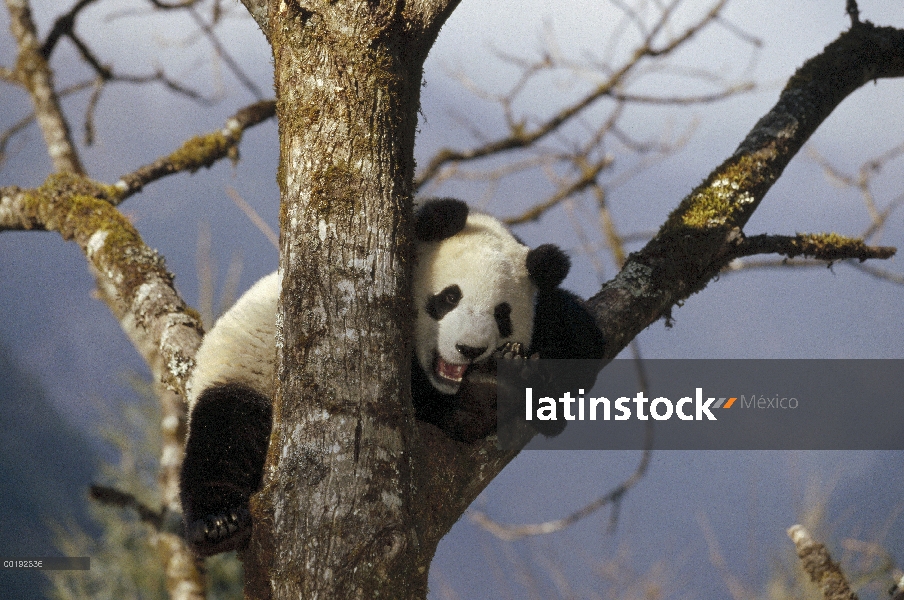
x=474 y=289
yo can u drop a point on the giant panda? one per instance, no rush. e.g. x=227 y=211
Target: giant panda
x=478 y=293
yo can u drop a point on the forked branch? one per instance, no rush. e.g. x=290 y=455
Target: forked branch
x=700 y=236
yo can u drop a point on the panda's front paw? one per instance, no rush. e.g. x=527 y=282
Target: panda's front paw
x=533 y=373
x=529 y=369
x=511 y=350
x=219 y=533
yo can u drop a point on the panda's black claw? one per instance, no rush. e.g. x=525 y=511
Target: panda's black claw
x=219 y=533
x=510 y=350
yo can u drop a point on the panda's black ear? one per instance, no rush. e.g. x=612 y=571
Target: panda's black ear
x=439 y=219
x=547 y=266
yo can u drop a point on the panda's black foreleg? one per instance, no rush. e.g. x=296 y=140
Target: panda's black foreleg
x=474 y=412
x=532 y=373
x=223 y=466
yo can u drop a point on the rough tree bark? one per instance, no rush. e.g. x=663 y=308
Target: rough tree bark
x=334 y=518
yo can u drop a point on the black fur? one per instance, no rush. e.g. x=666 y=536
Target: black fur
x=503 y=316
x=566 y=330
x=439 y=305
x=563 y=328
x=440 y=219
x=547 y=266
x=223 y=466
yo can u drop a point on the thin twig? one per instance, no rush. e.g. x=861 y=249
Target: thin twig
x=520 y=137
x=224 y=55
x=613 y=497
x=64 y=25
x=253 y=216
x=588 y=178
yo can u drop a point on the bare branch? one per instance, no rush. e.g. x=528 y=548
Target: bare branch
x=879 y=273
x=613 y=497
x=740 y=33
x=201 y=151
x=862 y=182
x=64 y=25
x=519 y=137
x=684 y=100
x=111 y=496
x=821 y=246
x=588 y=178
x=90 y=110
x=224 y=55
x=102 y=71
x=10 y=133
x=254 y=217
x=697 y=240
x=176 y=6
x=33 y=72
x=97 y=84
x=818 y=564
x=514 y=532
x=160 y=77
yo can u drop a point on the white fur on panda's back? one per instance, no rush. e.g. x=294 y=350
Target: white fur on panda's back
x=241 y=346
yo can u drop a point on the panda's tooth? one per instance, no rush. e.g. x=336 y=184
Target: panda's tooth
x=450 y=371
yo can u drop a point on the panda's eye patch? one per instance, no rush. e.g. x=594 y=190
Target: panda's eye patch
x=440 y=304
x=503 y=314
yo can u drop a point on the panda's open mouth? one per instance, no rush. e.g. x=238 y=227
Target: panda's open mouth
x=449 y=372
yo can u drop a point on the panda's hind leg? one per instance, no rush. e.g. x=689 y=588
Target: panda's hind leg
x=224 y=459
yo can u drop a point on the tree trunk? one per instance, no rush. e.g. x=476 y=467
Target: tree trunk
x=333 y=519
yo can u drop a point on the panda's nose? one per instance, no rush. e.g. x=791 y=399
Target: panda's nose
x=470 y=352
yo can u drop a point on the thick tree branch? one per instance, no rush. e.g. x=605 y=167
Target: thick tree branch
x=132 y=277
x=33 y=72
x=698 y=239
x=133 y=281
x=200 y=151
x=700 y=236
